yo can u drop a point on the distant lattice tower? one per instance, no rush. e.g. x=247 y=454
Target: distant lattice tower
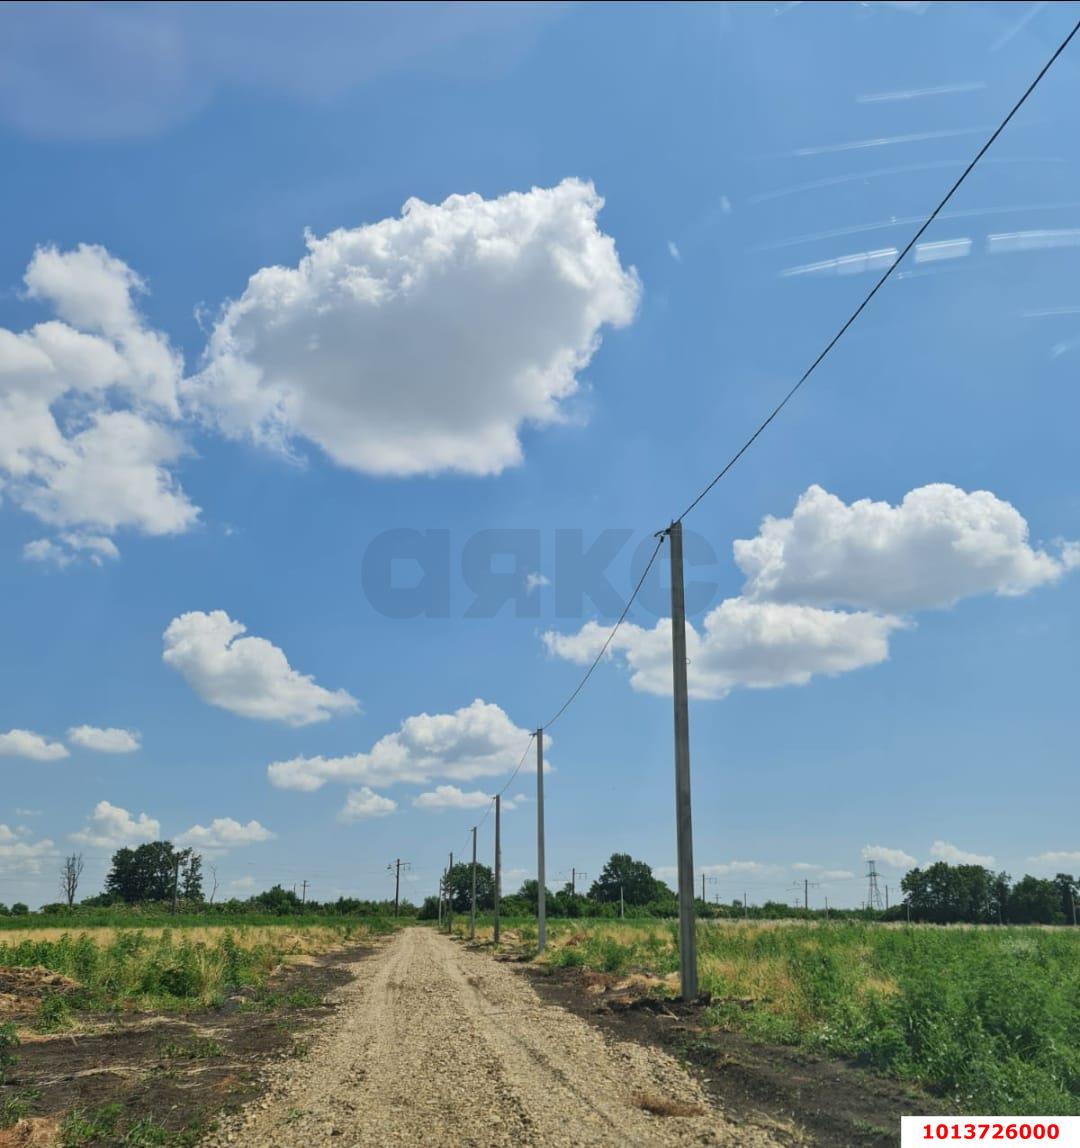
x=873 y=893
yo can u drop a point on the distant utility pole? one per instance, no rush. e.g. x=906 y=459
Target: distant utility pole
x=472 y=904
x=703 y=887
x=684 y=829
x=303 y=891
x=873 y=893
x=498 y=861
x=826 y=908
x=450 y=896
x=622 y=906
x=806 y=885
x=176 y=884
x=442 y=893
x=745 y=907
x=541 y=891
x=397 y=866
x=886 y=898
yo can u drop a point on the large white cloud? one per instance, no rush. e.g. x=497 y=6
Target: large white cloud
x=742 y=643
x=422 y=343
x=86 y=405
x=478 y=740
x=363 y=803
x=224 y=833
x=939 y=545
x=1058 y=857
x=24 y=743
x=894 y=858
x=247 y=676
x=109 y=740
x=946 y=851
x=112 y=827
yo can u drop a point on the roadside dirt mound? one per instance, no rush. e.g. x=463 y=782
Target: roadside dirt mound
x=33 y=1132
x=21 y=989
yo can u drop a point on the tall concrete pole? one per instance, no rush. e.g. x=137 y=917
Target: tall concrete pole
x=450 y=896
x=472 y=905
x=442 y=893
x=541 y=876
x=683 y=820
x=498 y=861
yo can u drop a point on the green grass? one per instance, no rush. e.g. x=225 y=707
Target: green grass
x=167 y=970
x=137 y=918
x=988 y=1018
x=111 y=1125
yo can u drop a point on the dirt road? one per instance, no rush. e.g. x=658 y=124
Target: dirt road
x=435 y=1045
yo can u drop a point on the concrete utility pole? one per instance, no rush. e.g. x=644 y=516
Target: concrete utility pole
x=472 y=906
x=745 y=907
x=303 y=897
x=702 y=886
x=573 y=882
x=442 y=893
x=176 y=884
x=498 y=861
x=683 y=819
x=622 y=905
x=450 y=896
x=886 y=898
x=541 y=877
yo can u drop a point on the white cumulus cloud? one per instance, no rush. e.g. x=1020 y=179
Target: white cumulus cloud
x=247 y=676
x=478 y=740
x=364 y=802
x=422 y=343
x=109 y=740
x=893 y=858
x=946 y=851
x=112 y=827
x=1057 y=857
x=18 y=856
x=939 y=545
x=452 y=797
x=743 y=643
x=24 y=743
x=224 y=833
x=87 y=400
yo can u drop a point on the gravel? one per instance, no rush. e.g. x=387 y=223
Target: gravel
x=437 y=1045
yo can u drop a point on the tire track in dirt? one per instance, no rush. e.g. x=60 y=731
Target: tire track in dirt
x=437 y=1045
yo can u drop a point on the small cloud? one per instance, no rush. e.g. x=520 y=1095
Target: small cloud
x=673 y=251
x=535 y=581
x=24 y=743
x=893 y=858
x=69 y=547
x=224 y=833
x=110 y=827
x=109 y=740
x=363 y=803
x=242 y=883
x=1059 y=857
x=945 y=851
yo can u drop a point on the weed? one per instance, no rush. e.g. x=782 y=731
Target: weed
x=199 y=1048
x=9 y=1041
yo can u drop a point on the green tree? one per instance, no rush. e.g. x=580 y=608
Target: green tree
x=529 y=894
x=19 y=909
x=1034 y=901
x=459 y=882
x=150 y=873
x=277 y=900
x=1069 y=896
x=635 y=878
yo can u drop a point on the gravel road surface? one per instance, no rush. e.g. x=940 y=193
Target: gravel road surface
x=436 y=1045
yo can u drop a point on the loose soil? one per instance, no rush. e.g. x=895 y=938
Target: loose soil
x=183 y=1070
x=812 y=1100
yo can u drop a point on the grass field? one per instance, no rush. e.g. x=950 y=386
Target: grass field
x=162 y=968
x=986 y=1017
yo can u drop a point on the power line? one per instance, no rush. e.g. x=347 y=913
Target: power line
x=888 y=272
x=614 y=630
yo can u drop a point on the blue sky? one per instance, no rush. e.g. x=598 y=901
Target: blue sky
x=662 y=213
